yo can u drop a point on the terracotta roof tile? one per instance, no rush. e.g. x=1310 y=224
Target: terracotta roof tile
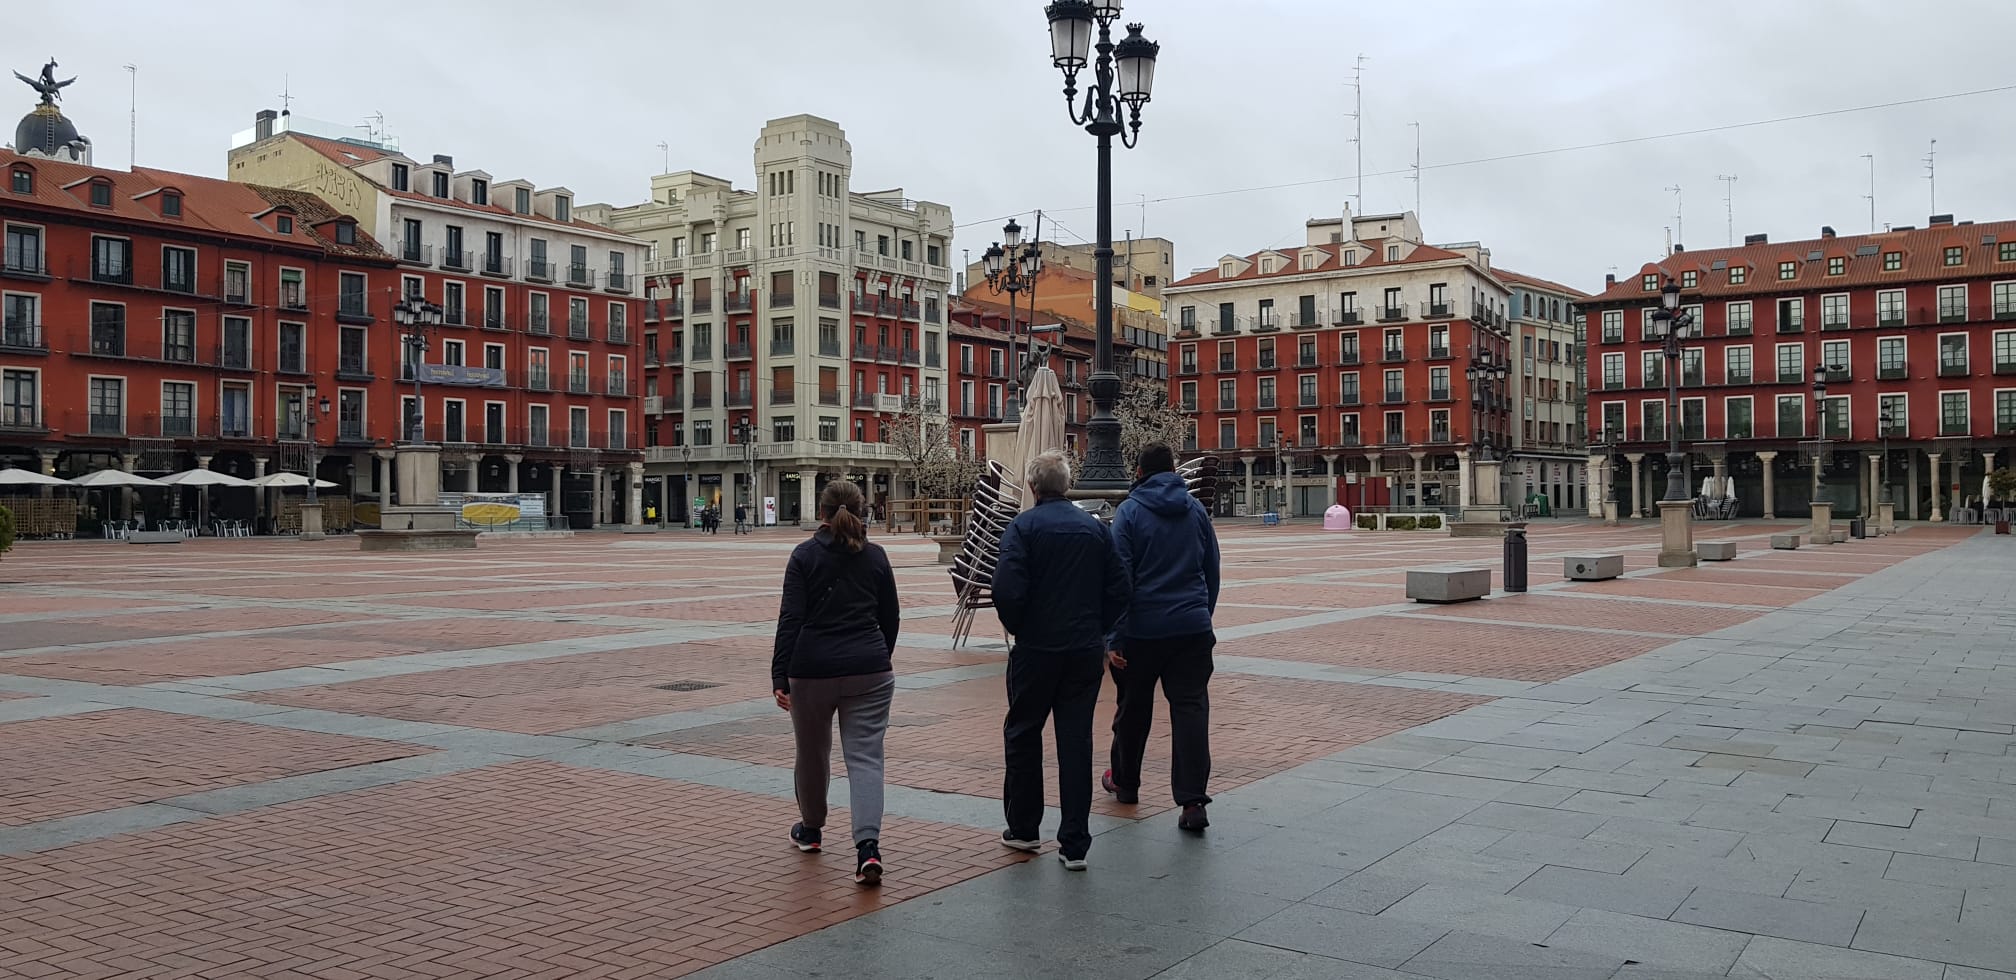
x=1921 y=256
x=1537 y=282
x=208 y=204
x=335 y=149
x=1374 y=257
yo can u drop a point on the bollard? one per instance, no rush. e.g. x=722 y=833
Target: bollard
x=1515 y=559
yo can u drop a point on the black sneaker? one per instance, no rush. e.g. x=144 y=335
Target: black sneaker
x=805 y=840
x=867 y=863
x=1193 y=818
x=1126 y=796
x=1027 y=845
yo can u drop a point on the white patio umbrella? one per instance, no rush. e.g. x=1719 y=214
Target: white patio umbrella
x=15 y=477
x=289 y=480
x=1042 y=427
x=203 y=480
x=115 y=478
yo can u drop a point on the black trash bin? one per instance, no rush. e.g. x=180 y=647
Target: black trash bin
x=1857 y=529
x=1515 y=558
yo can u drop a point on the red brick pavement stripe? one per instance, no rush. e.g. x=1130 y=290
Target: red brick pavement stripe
x=530 y=869
x=58 y=767
x=1430 y=645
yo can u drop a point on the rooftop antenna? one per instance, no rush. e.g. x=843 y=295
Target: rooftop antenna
x=1729 y=202
x=133 y=117
x=666 y=148
x=1358 y=125
x=286 y=95
x=1679 y=226
x=1932 y=174
x=1417 y=170
x=1871 y=196
x=1669 y=239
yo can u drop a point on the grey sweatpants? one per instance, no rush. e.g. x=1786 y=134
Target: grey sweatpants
x=862 y=702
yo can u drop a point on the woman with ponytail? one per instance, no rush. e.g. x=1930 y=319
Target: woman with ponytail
x=836 y=632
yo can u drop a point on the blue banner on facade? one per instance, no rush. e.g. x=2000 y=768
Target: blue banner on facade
x=460 y=374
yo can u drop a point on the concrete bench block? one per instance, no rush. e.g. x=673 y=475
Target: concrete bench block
x=1448 y=584
x=640 y=529
x=1716 y=550
x=1840 y=537
x=156 y=537
x=1592 y=568
x=1785 y=542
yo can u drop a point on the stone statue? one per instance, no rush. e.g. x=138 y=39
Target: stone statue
x=1034 y=356
x=50 y=88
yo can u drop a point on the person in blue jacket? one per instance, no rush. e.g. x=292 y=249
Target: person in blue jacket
x=1059 y=588
x=1165 y=539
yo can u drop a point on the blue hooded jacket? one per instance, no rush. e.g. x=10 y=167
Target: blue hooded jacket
x=1165 y=538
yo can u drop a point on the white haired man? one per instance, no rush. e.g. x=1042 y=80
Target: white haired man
x=1059 y=588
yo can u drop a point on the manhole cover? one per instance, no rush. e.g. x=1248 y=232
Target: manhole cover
x=685 y=686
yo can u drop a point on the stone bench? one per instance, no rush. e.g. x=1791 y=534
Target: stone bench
x=949 y=546
x=640 y=529
x=1592 y=568
x=1448 y=584
x=1716 y=550
x=1840 y=537
x=1785 y=542
x=156 y=537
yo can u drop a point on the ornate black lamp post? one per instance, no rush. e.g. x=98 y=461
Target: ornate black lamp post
x=310 y=407
x=1674 y=324
x=1819 y=425
x=1011 y=271
x=1486 y=375
x=1886 y=420
x=415 y=314
x=1123 y=75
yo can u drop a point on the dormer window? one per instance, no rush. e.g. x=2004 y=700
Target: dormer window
x=440 y=184
x=562 y=208
x=1788 y=270
x=479 y=192
x=171 y=204
x=522 y=200
x=283 y=224
x=1649 y=282
x=1837 y=266
x=1392 y=253
x=23 y=181
x=1227 y=270
x=346 y=233
x=1689 y=279
x=101 y=193
x=402 y=177
x=1350 y=256
x=1893 y=261
x=1738 y=274
x=1955 y=255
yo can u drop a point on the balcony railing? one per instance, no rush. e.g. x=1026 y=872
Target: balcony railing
x=1952 y=369
x=1896 y=373
x=21 y=263
x=1228 y=404
x=1267 y=403
x=353 y=307
x=105 y=424
x=1388 y=314
x=619 y=334
x=577 y=383
x=1952 y=314
x=1439 y=309
x=1392 y=355
x=783 y=346
x=457 y=260
x=415 y=252
x=580 y=275
x=783 y=396
x=737 y=352
x=1347 y=318
x=1348 y=399
x=830 y=301
x=617 y=282
x=1393 y=397
x=539 y=325
x=619 y=384
x=1349 y=357
x=577 y=328
x=736 y=303
x=539 y=270
x=1266 y=323
x=21 y=418
x=829 y=398
x=496 y=265
x=1440 y=395
x=22 y=337
x=352 y=367
x=1439 y=353
x=740 y=398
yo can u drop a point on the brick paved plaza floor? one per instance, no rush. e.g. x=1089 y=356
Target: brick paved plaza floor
x=558 y=759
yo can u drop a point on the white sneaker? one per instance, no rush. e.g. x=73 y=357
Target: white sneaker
x=1071 y=863
x=1018 y=844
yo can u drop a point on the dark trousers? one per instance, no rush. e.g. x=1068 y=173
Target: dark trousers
x=1182 y=664
x=1041 y=686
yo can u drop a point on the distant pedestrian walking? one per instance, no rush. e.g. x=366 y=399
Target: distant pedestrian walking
x=1059 y=587
x=1171 y=551
x=741 y=519
x=836 y=632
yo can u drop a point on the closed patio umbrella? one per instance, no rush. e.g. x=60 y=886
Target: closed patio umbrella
x=16 y=477
x=1042 y=427
x=288 y=480
x=115 y=478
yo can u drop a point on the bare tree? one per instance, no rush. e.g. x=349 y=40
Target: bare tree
x=923 y=441
x=1147 y=416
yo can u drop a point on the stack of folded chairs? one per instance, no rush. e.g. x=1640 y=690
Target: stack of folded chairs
x=996 y=501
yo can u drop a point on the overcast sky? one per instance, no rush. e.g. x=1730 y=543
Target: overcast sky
x=955 y=101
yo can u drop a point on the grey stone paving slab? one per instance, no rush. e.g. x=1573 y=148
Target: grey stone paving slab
x=1374 y=940
x=1534 y=819
x=1594 y=889
x=1893 y=815
x=30 y=709
x=1987 y=944
x=1651 y=941
x=1928 y=870
x=64 y=831
x=1850 y=890
x=1467 y=956
x=1566 y=852
x=1959 y=847
x=1454 y=907
x=1672 y=838
x=1812 y=922
x=1232 y=959
x=1369 y=892
x=1619 y=805
x=1783 y=959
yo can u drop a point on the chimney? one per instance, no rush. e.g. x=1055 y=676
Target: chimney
x=1826 y=231
x=262 y=124
x=1756 y=239
x=1610 y=279
x=1938 y=219
x=445 y=160
x=1678 y=248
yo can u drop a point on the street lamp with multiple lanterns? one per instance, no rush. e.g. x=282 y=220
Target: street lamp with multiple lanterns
x=1674 y=323
x=1012 y=270
x=312 y=408
x=1123 y=74
x=1486 y=374
x=415 y=314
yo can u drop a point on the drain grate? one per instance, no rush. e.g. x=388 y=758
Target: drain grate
x=685 y=686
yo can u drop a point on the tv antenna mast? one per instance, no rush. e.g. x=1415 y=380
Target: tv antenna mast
x=1932 y=174
x=1871 y=196
x=1416 y=176
x=1358 y=125
x=1729 y=202
x=1679 y=229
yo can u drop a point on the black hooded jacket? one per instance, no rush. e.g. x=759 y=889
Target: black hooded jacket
x=840 y=614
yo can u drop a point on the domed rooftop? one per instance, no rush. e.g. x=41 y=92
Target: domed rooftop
x=44 y=131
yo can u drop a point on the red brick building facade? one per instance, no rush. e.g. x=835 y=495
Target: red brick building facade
x=156 y=321
x=981 y=363
x=1916 y=322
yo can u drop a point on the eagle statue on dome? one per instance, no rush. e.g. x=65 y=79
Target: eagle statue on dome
x=47 y=85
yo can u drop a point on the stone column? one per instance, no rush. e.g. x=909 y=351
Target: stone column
x=263 y=498
x=1593 y=474
x=384 y=476
x=1954 y=489
x=1463 y=478
x=511 y=462
x=1720 y=461
x=1875 y=481
x=808 y=499
x=1248 y=461
x=1768 y=459
x=1637 y=461
x=556 y=478
x=634 y=500
x=126 y=494
x=1938 y=516
x=596 y=476
x=1330 y=477
x=1420 y=488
